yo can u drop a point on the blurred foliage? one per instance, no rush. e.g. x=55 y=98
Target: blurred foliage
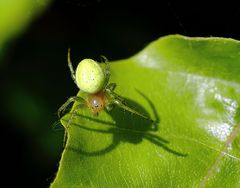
x=22 y=112
x=15 y=15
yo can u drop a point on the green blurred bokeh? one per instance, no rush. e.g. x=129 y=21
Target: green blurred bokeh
x=29 y=140
x=15 y=15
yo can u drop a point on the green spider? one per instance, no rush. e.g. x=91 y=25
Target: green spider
x=92 y=79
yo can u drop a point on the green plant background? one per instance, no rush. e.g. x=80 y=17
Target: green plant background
x=190 y=86
x=16 y=15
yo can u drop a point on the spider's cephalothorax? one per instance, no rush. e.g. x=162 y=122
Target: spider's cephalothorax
x=96 y=102
x=92 y=78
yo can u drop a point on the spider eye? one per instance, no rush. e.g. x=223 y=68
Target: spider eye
x=90 y=76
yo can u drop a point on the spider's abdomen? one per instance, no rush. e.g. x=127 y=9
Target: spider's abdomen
x=96 y=102
x=90 y=77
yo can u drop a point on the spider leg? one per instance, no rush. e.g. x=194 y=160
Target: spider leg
x=69 y=121
x=107 y=69
x=109 y=107
x=103 y=59
x=71 y=67
x=69 y=101
x=119 y=101
x=112 y=94
x=125 y=107
x=111 y=86
x=65 y=136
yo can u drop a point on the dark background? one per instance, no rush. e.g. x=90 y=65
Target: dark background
x=35 y=79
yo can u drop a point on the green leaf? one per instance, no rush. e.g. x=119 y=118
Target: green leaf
x=191 y=88
x=15 y=15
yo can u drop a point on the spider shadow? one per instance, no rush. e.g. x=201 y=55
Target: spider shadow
x=127 y=128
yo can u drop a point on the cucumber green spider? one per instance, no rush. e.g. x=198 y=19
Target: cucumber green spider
x=92 y=79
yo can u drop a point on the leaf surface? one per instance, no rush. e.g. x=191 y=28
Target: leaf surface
x=191 y=88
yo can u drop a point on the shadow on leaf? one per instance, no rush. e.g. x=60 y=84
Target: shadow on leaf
x=126 y=127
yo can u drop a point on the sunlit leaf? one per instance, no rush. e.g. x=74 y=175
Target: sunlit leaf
x=191 y=88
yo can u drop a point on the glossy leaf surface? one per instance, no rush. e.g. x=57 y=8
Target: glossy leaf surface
x=191 y=88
